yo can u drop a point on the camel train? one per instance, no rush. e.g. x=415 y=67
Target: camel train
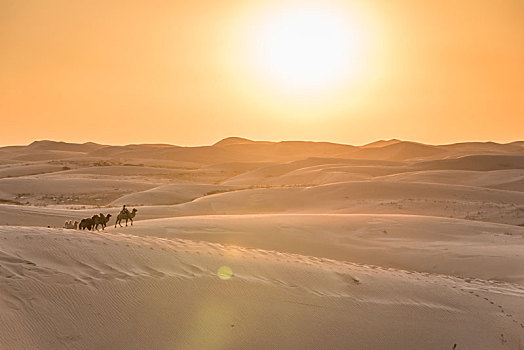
x=94 y=221
x=101 y=220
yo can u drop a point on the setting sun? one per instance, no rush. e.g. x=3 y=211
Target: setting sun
x=308 y=47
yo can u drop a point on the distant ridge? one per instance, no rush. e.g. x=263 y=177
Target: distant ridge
x=239 y=149
x=49 y=145
x=476 y=163
x=381 y=143
x=399 y=151
x=233 y=141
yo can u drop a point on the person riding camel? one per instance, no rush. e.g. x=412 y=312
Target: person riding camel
x=124 y=210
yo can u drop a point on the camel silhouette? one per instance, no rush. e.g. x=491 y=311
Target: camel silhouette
x=101 y=220
x=87 y=223
x=125 y=214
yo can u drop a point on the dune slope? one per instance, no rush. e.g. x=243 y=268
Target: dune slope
x=417 y=243
x=64 y=289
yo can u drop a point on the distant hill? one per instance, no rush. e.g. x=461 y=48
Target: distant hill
x=475 y=162
x=396 y=151
x=482 y=147
x=381 y=143
x=64 y=146
x=234 y=141
x=238 y=149
x=130 y=151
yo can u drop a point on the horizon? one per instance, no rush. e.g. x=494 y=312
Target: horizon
x=255 y=140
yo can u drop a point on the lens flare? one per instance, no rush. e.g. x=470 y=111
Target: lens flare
x=225 y=273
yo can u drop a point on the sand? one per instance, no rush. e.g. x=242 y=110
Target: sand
x=263 y=245
x=66 y=289
x=409 y=242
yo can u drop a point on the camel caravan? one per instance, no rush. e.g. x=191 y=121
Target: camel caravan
x=94 y=221
x=101 y=220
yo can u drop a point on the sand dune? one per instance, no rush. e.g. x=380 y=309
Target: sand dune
x=311 y=176
x=63 y=289
x=398 y=151
x=171 y=194
x=38 y=190
x=16 y=170
x=289 y=150
x=482 y=148
x=286 y=173
x=361 y=197
x=65 y=146
x=129 y=151
x=238 y=149
x=238 y=140
x=382 y=197
x=314 y=175
x=123 y=171
x=494 y=178
x=416 y=243
x=239 y=167
x=47 y=155
x=475 y=163
x=45 y=150
x=516 y=185
x=381 y=143
x=390 y=245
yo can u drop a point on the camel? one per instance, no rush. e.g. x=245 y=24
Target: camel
x=125 y=215
x=100 y=220
x=70 y=225
x=86 y=224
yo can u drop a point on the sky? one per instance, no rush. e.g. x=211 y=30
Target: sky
x=194 y=72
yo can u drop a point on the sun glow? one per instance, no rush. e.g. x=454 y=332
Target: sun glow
x=309 y=48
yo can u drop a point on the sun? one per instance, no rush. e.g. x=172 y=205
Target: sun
x=308 y=48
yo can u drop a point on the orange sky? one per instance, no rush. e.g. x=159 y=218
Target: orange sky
x=182 y=72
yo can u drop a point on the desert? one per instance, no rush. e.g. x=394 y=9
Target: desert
x=248 y=244
x=253 y=174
